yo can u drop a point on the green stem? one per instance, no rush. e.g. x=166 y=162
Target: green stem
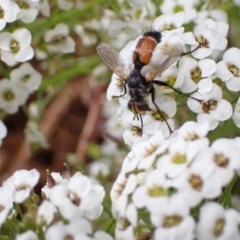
x=225 y=198
x=19 y=210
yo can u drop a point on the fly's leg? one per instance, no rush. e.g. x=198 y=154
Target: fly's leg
x=161 y=83
x=183 y=54
x=124 y=92
x=160 y=112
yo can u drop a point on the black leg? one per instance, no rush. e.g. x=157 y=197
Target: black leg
x=161 y=83
x=160 y=112
x=124 y=92
x=141 y=124
x=183 y=54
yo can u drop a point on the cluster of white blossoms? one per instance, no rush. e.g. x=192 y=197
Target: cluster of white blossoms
x=199 y=73
x=166 y=179
x=171 y=185
x=77 y=200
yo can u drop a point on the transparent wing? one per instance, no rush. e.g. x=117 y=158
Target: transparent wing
x=112 y=59
x=165 y=54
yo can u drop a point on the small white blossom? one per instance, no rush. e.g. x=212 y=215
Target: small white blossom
x=6 y=203
x=217 y=223
x=198 y=182
x=52 y=179
x=195 y=75
x=9 y=11
x=169 y=6
x=34 y=135
x=22 y=183
x=11 y=97
x=44 y=8
x=236 y=114
x=175 y=222
x=171 y=23
x=229 y=69
x=3 y=131
x=211 y=107
x=46 y=213
x=78 y=197
x=58 y=39
x=79 y=230
x=67 y=5
x=16 y=47
x=137 y=3
x=225 y=158
x=28 y=10
x=209 y=35
x=28 y=235
x=26 y=77
x=100 y=235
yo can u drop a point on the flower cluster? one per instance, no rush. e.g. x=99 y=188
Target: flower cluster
x=186 y=73
x=176 y=180
x=170 y=178
x=77 y=200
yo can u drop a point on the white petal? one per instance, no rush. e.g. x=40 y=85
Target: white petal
x=223 y=111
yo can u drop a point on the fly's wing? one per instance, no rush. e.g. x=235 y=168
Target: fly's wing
x=164 y=55
x=112 y=59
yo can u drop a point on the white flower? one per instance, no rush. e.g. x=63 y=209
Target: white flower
x=58 y=39
x=44 y=8
x=28 y=235
x=86 y=38
x=6 y=203
x=198 y=182
x=192 y=131
x=16 y=47
x=229 y=69
x=236 y=114
x=28 y=10
x=169 y=7
x=126 y=224
x=45 y=213
x=137 y=3
x=217 y=223
x=171 y=23
x=11 y=97
x=34 y=135
x=22 y=183
x=67 y=5
x=78 y=230
x=196 y=75
x=172 y=77
x=225 y=158
x=79 y=197
x=26 y=77
x=153 y=194
x=99 y=168
x=168 y=108
x=237 y=2
x=211 y=107
x=3 y=131
x=52 y=179
x=216 y=14
x=209 y=35
x=145 y=153
x=9 y=11
x=175 y=222
x=100 y=235
x=179 y=157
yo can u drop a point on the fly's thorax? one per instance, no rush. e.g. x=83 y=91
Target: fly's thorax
x=135 y=79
